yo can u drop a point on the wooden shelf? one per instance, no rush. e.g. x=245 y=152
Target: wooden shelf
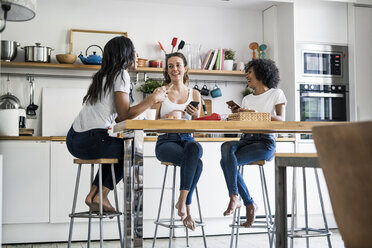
x=96 y=67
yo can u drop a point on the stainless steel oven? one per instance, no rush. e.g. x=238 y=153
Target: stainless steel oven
x=320 y=63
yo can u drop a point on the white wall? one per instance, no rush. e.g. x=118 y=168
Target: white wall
x=146 y=23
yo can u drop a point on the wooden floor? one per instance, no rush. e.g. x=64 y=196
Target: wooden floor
x=246 y=240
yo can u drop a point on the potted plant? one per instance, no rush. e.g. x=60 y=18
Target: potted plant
x=247 y=91
x=150 y=85
x=229 y=59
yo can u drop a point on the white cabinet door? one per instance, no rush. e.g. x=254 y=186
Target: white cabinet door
x=63 y=178
x=26 y=181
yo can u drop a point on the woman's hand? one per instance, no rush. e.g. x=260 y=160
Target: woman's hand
x=159 y=95
x=191 y=110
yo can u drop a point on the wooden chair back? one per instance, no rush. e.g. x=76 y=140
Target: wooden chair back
x=345 y=155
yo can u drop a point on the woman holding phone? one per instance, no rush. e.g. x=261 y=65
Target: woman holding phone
x=180 y=148
x=263 y=77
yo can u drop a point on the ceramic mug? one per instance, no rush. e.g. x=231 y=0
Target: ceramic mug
x=240 y=66
x=196 y=87
x=204 y=91
x=216 y=92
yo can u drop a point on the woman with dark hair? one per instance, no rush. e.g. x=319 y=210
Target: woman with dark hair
x=263 y=77
x=180 y=148
x=106 y=101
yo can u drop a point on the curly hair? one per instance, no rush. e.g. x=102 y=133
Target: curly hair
x=167 y=79
x=265 y=70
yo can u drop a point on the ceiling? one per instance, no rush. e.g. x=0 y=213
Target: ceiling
x=252 y=4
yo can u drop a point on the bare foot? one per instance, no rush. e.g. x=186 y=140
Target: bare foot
x=233 y=204
x=181 y=210
x=189 y=223
x=107 y=207
x=251 y=214
x=90 y=196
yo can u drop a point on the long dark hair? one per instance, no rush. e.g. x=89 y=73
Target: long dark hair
x=265 y=70
x=167 y=79
x=118 y=54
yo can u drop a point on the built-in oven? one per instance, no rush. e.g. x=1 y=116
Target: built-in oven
x=320 y=63
x=322 y=102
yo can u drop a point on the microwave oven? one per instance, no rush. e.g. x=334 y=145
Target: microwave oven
x=321 y=63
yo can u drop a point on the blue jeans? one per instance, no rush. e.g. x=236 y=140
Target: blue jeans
x=96 y=143
x=182 y=150
x=250 y=148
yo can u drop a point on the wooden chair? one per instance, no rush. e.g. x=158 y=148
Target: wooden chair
x=344 y=152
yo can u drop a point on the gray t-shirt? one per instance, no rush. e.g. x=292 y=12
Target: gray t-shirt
x=103 y=113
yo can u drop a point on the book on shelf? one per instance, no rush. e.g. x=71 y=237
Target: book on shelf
x=222 y=58
x=218 y=60
x=206 y=60
x=213 y=61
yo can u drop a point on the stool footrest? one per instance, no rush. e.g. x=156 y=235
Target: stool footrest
x=96 y=215
x=163 y=223
x=316 y=233
x=255 y=225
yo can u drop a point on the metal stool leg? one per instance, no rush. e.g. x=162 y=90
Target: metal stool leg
x=187 y=237
x=100 y=205
x=90 y=211
x=233 y=229
x=322 y=207
x=265 y=195
x=200 y=217
x=237 y=229
x=74 y=206
x=171 y=227
x=294 y=205
x=305 y=207
x=159 y=209
x=116 y=204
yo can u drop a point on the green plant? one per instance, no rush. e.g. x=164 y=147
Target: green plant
x=229 y=54
x=247 y=91
x=150 y=85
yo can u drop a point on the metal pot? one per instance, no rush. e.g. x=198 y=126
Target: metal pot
x=37 y=53
x=8 y=50
x=9 y=101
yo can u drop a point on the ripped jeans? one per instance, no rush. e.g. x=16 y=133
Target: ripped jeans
x=250 y=148
x=182 y=150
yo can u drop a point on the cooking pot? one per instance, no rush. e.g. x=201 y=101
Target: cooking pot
x=8 y=50
x=9 y=101
x=37 y=53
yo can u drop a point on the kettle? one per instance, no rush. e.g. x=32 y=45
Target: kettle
x=92 y=59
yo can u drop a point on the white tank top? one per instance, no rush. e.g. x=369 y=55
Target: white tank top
x=167 y=106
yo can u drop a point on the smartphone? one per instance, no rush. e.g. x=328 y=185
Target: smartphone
x=232 y=104
x=194 y=103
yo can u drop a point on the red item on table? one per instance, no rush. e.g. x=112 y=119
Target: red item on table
x=212 y=117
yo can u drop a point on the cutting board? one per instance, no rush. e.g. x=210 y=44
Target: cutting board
x=60 y=106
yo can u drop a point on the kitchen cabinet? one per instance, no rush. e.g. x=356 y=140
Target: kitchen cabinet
x=26 y=181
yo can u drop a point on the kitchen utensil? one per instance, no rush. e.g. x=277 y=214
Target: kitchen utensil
x=174 y=43
x=92 y=59
x=162 y=48
x=9 y=101
x=216 y=92
x=181 y=45
x=262 y=48
x=31 y=109
x=141 y=62
x=37 y=53
x=253 y=46
x=157 y=63
x=8 y=50
x=66 y=58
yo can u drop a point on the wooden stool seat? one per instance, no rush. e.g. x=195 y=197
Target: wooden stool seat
x=96 y=161
x=259 y=162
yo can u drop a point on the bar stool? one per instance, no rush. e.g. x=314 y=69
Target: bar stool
x=172 y=221
x=268 y=223
x=99 y=214
x=295 y=232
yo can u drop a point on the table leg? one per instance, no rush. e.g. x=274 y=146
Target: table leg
x=281 y=206
x=133 y=174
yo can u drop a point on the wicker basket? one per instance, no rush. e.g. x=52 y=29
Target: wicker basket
x=250 y=116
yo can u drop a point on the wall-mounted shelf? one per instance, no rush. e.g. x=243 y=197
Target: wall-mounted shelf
x=32 y=65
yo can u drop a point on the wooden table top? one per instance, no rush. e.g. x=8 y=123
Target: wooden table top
x=192 y=126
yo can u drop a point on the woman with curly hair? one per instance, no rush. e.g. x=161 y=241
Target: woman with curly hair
x=263 y=77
